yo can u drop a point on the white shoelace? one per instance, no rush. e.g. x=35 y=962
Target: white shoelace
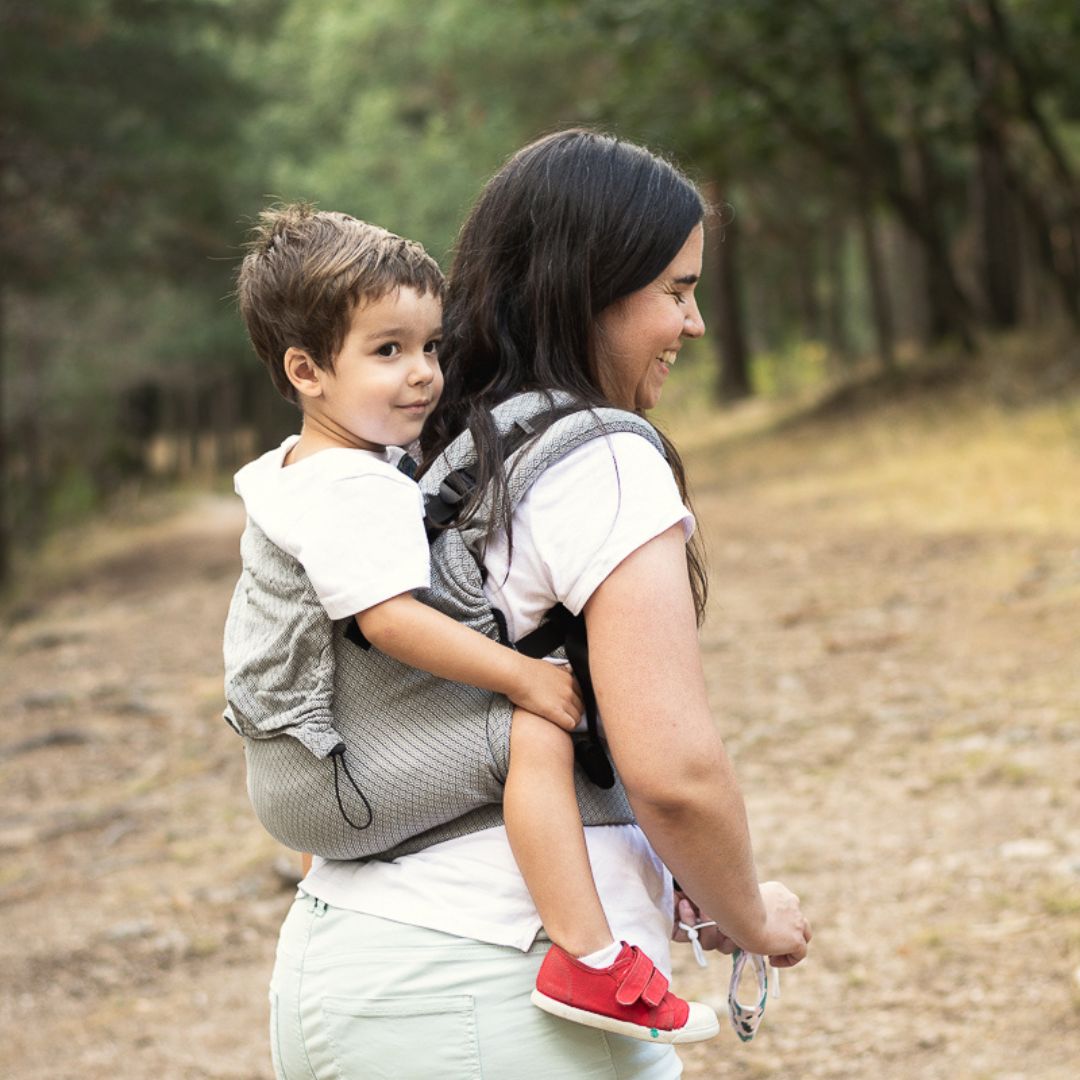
x=745 y=1019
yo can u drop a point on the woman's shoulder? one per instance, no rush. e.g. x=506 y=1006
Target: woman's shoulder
x=592 y=509
x=617 y=458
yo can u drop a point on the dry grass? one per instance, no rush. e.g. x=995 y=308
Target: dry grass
x=892 y=658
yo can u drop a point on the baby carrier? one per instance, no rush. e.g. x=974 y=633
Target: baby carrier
x=352 y=755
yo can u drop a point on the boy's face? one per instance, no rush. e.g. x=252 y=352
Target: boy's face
x=386 y=378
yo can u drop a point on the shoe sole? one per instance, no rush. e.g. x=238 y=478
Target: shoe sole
x=698 y=1027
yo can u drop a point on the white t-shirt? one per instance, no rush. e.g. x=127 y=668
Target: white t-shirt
x=580 y=519
x=351 y=519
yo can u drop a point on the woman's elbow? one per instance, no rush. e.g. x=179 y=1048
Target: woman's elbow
x=676 y=781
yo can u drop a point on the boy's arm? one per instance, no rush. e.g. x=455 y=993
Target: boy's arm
x=422 y=637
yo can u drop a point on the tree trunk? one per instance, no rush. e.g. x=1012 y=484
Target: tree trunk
x=733 y=372
x=226 y=420
x=837 y=299
x=851 y=155
x=948 y=308
x=37 y=475
x=868 y=169
x=192 y=425
x=5 y=472
x=806 y=273
x=880 y=306
x=999 y=266
x=999 y=261
x=1063 y=235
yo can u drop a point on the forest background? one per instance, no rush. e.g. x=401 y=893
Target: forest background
x=897 y=180
x=882 y=429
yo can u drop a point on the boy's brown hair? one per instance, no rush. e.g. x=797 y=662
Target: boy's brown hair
x=304 y=274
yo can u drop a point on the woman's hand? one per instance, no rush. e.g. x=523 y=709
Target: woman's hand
x=786 y=928
x=710 y=938
x=650 y=686
x=549 y=690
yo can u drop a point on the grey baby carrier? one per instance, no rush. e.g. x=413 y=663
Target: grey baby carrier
x=352 y=755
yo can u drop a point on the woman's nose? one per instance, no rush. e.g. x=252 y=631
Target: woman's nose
x=694 y=325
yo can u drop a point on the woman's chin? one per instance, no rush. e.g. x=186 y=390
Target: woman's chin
x=648 y=398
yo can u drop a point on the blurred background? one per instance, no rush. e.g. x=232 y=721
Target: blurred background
x=902 y=179
x=882 y=429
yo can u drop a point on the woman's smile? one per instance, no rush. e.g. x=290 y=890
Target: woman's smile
x=639 y=336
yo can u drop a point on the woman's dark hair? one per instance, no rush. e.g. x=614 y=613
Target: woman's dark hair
x=570 y=224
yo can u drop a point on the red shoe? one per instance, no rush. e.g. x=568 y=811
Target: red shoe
x=629 y=998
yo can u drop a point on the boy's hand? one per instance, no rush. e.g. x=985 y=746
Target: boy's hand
x=550 y=691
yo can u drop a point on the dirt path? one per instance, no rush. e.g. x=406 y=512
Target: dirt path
x=894 y=664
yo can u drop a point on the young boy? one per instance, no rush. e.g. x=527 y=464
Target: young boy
x=347 y=318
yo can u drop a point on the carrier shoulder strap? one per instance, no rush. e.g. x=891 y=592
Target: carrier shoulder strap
x=451 y=483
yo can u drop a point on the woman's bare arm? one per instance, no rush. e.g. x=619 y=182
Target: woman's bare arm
x=650 y=687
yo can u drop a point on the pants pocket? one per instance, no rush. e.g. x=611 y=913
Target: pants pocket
x=275 y=1044
x=406 y=1038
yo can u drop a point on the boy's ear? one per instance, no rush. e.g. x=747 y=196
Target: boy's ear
x=301 y=370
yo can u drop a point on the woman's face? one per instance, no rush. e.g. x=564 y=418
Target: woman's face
x=638 y=337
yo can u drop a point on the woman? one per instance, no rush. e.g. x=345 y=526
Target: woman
x=576 y=273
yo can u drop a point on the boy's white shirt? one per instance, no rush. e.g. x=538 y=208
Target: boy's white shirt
x=352 y=520
x=579 y=520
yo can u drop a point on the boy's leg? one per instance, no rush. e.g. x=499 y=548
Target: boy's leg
x=585 y=976
x=547 y=838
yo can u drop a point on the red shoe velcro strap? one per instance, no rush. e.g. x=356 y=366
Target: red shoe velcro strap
x=655 y=989
x=637 y=978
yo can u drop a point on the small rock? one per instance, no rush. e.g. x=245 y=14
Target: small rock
x=18 y=836
x=1069 y=866
x=117 y=831
x=135 y=705
x=47 y=699
x=172 y=941
x=790 y=684
x=129 y=931
x=50 y=639
x=1026 y=849
x=59 y=737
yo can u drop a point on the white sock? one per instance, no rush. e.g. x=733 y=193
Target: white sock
x=602 y=958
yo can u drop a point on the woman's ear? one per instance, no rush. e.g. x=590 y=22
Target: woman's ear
x=301 y=370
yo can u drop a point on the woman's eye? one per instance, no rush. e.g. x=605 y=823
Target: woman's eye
x=391 y=348
x=680 y=298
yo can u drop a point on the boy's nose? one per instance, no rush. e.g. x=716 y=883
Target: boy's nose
x=423 y=371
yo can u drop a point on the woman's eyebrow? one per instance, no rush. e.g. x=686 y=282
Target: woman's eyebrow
x=687 y=279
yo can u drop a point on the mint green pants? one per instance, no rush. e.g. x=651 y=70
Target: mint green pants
x=354 y=997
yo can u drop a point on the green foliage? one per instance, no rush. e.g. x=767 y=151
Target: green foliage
x=119 y=175
x=121 y=121
x=409 y=108
x=138 y=136
x=783 y=372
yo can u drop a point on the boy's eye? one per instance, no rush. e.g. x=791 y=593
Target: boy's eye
x=390 y=348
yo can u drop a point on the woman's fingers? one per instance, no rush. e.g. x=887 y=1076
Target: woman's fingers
x=798 y=954
x=711 y=938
